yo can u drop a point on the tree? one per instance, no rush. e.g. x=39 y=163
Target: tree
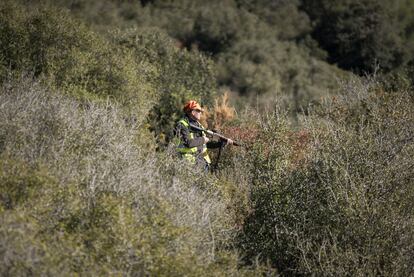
x=358 y=35
x=283 y=15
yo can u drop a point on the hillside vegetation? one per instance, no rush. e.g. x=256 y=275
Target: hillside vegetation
x=319 y=93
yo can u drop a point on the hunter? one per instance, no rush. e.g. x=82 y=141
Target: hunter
x=193 y=143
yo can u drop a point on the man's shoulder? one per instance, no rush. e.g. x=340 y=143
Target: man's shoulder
x=183 y=122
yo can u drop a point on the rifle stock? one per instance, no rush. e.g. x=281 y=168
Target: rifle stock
x=211 y=133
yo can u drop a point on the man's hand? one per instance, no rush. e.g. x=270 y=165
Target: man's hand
x=206 y=139
x=226 y=141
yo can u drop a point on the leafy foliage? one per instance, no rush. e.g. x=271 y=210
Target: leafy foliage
x=182 y=75
x=53 y=45
x=82 y=190
x=343 y=208
x=322 y=183
x=360 y=34
x=284 y=16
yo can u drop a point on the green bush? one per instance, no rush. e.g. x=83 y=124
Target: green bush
x=71 y=57
x=247 y=43
x=83 y=191
x=19 y=183
x=182 y=75
x=272 y=72
x=142 y=69
x=359 y=35
x=86 y=195
x=285 y=17
x=342 y=208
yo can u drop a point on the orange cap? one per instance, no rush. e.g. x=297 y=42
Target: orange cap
x=191 y=105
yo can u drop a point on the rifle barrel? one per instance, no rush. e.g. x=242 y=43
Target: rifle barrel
x=213 y=134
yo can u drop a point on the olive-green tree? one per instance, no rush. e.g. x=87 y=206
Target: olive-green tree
x=359 y=35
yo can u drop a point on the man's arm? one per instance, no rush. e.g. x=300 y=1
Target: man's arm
x=184 y=134
x=215 y=144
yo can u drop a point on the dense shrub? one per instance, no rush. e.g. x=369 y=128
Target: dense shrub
x=103 y=15
x=181 y=75
x=358 y=35
x=248 y=42
x=48 y=42
x=217 y=26
x=284 y=16
x=275 y=72
x=344 y=208
x=83 y=191
x=256 y=50
x=139 y=68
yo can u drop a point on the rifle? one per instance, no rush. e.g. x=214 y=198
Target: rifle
x=211 y=133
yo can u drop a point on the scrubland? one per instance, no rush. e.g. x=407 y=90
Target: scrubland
x=89 y=180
